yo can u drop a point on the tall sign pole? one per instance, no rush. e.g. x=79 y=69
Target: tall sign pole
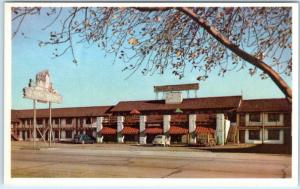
x=41 y=91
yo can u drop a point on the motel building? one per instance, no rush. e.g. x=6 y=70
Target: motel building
x=207 y=121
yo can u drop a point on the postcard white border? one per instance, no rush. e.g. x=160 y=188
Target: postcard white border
x=143 y=182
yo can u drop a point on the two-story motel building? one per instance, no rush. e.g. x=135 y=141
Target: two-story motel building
x=185 y=121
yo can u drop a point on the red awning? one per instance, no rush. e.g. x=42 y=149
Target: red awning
x=175 y=130
x=130 y=131
x=204 y=130
x=108 y=131
x=154 y=130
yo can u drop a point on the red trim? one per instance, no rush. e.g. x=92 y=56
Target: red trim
x=204 y=130
x=108 y=131
x=130 y=131
x=154 y=130
x=175 y=130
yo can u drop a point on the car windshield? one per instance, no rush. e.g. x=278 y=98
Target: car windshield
x=159 y=136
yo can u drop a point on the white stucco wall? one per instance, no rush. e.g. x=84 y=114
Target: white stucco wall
x=167 y=119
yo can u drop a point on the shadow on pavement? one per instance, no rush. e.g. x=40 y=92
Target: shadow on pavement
x=258 y=148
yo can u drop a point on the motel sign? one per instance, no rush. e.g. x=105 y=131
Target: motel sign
x=41 y=91
x=41 y=95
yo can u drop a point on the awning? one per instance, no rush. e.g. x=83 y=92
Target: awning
x=175 y=130
x=204 y=130
x=130 y=131
x=154 y=130
x=108 y=131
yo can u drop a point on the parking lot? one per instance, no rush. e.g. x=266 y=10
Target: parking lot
x=134 y=161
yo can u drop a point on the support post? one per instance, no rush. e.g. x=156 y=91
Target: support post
x=143 y=137
x=167 y=119
x=192 y=128
x=237 y=128
x=120 y=126
x=34 y=124
x=263 y=128
x=220 y=130
x=99 y=127
x=59 y=127
x=50 y=124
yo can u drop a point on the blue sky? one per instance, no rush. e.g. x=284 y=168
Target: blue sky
x=97 y=81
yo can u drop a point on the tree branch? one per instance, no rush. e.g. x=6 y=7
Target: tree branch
x=149 y=9
x=244 y=55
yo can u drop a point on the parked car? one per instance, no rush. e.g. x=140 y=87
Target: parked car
x=161 y=140
x=83 y=139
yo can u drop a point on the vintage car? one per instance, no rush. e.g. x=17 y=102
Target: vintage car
x=83 y=139
x=161 y=140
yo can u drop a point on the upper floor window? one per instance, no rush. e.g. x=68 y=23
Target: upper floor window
x=80 y=121
x=56 y=121
x=273 y=117
x=88 y=120
x=69 y=121
x=242 y=119
x=39 y=121
x=24 y=122
x=254 y=117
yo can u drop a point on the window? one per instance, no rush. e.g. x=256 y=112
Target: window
x=94 y=120
x=88 y=120
x=254 y=135
x=273 y=117
x=273 y=134
x=69 y=121
x=56 y=121
x=81 y=122
x=68 y=134
x=242 y=119
x=254 y=117
x=39 y=121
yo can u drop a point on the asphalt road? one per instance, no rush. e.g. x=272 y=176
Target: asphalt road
x=142 y=162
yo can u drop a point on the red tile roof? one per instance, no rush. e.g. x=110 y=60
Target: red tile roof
x=130 y=131
x=265 y=105
x=108 y=131
x=14 y=116
x=65 y=112
x=154 y=130
x=178 y=130
x=204 y=130
x=227 y=102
